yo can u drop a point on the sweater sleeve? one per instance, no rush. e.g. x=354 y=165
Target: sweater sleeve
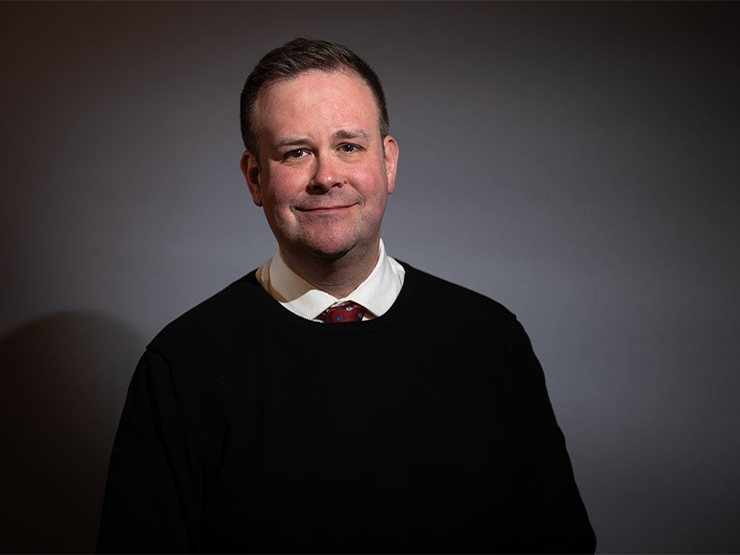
x=549 y=515
x=151 y=502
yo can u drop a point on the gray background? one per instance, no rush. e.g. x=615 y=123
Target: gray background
x=577 y=162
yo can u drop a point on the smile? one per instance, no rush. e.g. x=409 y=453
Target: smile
x=321 y=210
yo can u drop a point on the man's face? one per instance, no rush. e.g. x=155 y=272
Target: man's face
x=324 y=173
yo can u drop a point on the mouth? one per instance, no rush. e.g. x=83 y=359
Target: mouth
x=326 y=210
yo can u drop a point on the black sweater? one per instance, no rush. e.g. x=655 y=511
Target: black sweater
x=249 y=429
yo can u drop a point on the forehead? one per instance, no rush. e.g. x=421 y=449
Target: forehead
x=315 y=98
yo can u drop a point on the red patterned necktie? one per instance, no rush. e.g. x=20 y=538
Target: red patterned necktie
x=351 y=312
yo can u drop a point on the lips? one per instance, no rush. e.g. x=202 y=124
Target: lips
x=324 y=209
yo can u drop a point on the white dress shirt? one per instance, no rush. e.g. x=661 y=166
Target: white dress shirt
x=377 y=293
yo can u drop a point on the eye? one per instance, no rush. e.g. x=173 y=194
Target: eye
x=295 y=154
x=349 y=148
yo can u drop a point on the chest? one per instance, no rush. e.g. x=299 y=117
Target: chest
x=394 y=440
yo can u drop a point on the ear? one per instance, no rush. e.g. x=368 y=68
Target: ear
x=251 y=170
x=390 y=148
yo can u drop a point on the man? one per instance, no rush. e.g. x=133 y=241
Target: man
x=264 y=420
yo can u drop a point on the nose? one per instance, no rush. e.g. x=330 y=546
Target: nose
x=327 y=174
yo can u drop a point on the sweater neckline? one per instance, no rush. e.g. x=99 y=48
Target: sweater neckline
x=280 y=312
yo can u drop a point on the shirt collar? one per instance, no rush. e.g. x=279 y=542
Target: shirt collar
x=377 y=293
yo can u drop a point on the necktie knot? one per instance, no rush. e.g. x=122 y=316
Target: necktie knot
x=350 y=312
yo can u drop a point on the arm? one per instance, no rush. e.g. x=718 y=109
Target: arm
x=152 y=495
x=548 y=515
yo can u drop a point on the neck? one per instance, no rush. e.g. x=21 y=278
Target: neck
x=337 y=276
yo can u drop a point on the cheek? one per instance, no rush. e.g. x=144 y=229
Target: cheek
x=282 y=187
x=371 y=181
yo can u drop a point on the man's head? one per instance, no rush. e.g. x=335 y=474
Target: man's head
x=294 y=58
x=321 y=163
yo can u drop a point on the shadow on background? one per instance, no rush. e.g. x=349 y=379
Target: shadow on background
x=64 y=382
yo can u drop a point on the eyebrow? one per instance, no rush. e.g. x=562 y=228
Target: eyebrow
x=344 y=134
x=340 y=135
x=290 y=141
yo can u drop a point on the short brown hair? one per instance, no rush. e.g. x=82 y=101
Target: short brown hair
x=293 y=58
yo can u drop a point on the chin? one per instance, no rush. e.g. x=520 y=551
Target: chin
x=326 y=252
x=333 y=248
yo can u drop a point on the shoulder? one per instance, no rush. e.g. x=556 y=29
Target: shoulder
x=446 y=297
x=233 y=310
x=470 y=328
